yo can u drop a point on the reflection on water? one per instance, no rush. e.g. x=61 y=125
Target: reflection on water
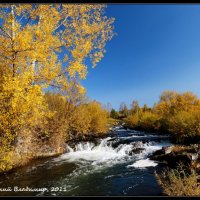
x=116 y=165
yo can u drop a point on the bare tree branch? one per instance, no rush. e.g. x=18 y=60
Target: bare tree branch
x=5 y=32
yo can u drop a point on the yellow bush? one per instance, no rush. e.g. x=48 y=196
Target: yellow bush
x=185 y=124
x=146 y=121
x=172 y=102
x=89 y=118
x=80 y=121
x=22 y=105
x=70 y=120
x=132 y=121
x=99 y=119
x=5 y=161
x=149 y=121
x=176 y=182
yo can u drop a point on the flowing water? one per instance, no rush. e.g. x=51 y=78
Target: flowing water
x=114 y=166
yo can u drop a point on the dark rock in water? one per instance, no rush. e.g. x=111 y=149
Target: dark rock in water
x=188 y=156
x=86 y=138
x=193 y=156
x=157 y=153
x=161 y=152
x=173 y=159
x=192 y=150
x=167 y=149
x=136 y=151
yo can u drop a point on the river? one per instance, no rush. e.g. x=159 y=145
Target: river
x=117 y=165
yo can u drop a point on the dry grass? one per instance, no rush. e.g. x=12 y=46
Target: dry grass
x=176 y=182
x=179 y=148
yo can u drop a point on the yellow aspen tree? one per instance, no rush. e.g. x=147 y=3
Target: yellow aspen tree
x=41 y=47
x=56 y=38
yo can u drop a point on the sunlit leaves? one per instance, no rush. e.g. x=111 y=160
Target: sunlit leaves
x=175 y=113
x=41 y=31
x=45 y=46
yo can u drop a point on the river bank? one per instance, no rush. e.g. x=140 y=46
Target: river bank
x=22 y=154
x=117 y=164
x=28 y=147
x=124 y=159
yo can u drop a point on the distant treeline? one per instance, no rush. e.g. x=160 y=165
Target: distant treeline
x=175 y=113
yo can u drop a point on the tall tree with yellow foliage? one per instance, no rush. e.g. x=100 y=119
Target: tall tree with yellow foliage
x=53 y=41
x=45 y=47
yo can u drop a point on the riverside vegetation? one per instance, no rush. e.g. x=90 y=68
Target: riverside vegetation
x=43 y=50
x=175 y=113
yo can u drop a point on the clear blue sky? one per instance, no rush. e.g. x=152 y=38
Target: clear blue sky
x=157 y=48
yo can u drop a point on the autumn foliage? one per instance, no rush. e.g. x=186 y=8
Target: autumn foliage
x=177 y=182
x=45 y=48
x=175 y=113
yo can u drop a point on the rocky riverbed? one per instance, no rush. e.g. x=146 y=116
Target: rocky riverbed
x=174 y=155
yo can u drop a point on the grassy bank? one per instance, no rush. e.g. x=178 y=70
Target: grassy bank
x=178 y=182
